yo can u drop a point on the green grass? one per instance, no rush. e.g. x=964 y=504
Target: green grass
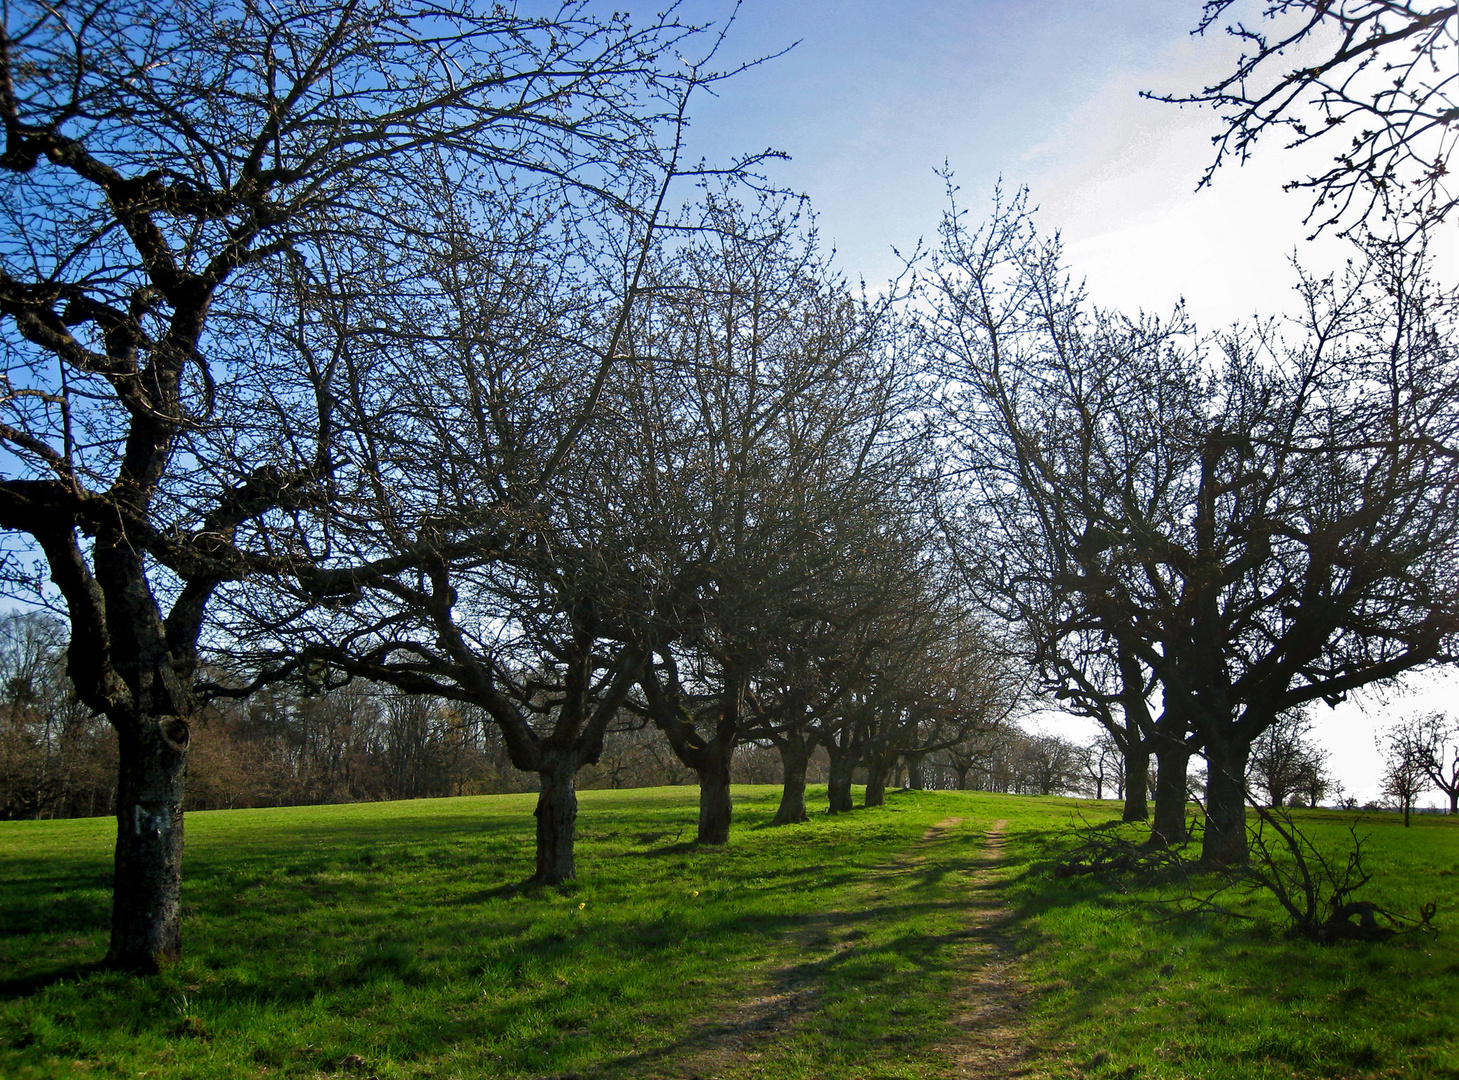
x=1211 y=997
x=389 y=939
x=394 y=940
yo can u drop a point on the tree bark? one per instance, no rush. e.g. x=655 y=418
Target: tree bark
x=838 y=783
x=557 y=814
x=1224 y=840
x=1137 y=782
x=714 y=800
x=146 y=914
x=794 y=759
x=1168 y=826
x=709 y=758
x=876 y=782
x=915 y=778
x=962 y=776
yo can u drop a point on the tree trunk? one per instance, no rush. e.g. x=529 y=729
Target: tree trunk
x=962 y=776
x=1224 y=840
x=557 y=814
x=1137 y=783
x=794 y=757
x=876 y=783
x=915 y=779
x=146 y=913
x=838 y=782
x=1168 y=826
x=709 y=758
x=714 y=801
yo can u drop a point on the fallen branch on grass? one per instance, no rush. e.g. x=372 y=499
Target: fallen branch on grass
x=1316 y=889
x=1101 y=853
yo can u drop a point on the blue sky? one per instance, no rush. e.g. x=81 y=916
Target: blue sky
x=877 y=95
x=874 y=96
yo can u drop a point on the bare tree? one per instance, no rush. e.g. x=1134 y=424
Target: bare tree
x=1111 y=686
x=1380 y=85
x=990 y=760
x=1284 y=762
x=192 y=192
x=1052 y=764
x=1261 y=528
x=939 y=679
x=1405 y=777
x=1433 y=740
x=776 y=459
x=1103 y=764
x=1010 y=760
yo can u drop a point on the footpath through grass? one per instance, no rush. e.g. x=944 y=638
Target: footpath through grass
x=391 y=940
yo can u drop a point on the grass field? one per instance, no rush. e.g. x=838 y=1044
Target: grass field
x=394 y=940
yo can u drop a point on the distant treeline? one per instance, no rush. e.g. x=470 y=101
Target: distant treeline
x=365 y=741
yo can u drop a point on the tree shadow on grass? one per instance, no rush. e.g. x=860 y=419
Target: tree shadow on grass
x=795 y=994
x=511 y=889
x=26 y=985
x=683 y=847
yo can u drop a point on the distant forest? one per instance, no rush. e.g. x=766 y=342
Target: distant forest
x=368 y=741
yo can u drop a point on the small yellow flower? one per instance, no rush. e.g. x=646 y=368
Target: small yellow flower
x=582 y=905
x=694 y=893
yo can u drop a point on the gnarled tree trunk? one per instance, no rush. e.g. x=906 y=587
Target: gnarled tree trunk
x=838 y=780
x=557 y=814
x=916 y=779
x=1224 y=841
x=1137 y=782
x=1168 y=825
x=794 y=759
x=876 y=782
x=708 y=757
x=146 y=915
x=715 y=806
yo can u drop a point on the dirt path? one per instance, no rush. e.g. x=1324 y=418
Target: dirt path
x=987 y=997
x=990 y=999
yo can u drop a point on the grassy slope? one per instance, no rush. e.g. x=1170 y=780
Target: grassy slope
x=1221 y=998
x=389 y=939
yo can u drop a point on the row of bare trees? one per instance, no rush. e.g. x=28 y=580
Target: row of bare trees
x=426 y=383
x=240 y=243
x=369 y=345
x=737 y=548
x=1421 y=754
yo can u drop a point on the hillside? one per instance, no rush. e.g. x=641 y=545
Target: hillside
x=926 y=938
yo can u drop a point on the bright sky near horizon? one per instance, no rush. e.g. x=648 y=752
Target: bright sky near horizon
x=874 y=97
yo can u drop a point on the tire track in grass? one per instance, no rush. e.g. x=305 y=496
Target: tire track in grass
x=994 y=1042
x=988 y=1013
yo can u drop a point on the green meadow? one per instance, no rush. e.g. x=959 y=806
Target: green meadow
x=397 y=940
